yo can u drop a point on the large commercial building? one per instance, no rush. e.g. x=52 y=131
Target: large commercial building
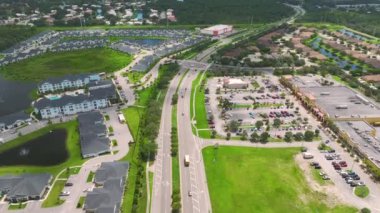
x=67 y=82
x=234 y=83
x=98 y=97
x=217 y=30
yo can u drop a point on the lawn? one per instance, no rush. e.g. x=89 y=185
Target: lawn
x=72 y=144
x=200 y=109
x=361 y=191
x=53 y=198
x=90 y=177
x=260 y=180
x=17 y=206
x=132 y=116
x=72 y=62
x=70 y=171
x=135 y=77
x=81 y=201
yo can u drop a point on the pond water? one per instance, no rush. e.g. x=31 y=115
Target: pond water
x=14 y=96
x=340 y=62
x=46 y=150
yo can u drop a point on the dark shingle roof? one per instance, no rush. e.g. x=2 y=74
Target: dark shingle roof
x=109 y=170
x=90 y=128
x=12 y=118
x=108 y=199
x=24 y=185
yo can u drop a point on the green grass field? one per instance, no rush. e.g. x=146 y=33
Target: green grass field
x=81 y=201
x=70 y=171
x=53 y=198
x=72 y=145
x=260 y=180
x=200 y=109
x=17 y=206
x=63 y=63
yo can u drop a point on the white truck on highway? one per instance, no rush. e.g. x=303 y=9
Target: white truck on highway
x=187 y=160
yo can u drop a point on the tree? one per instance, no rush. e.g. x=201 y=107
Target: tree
x=213 y=134
x=244 y=135
x=228 y=136
x=276 y=123
x=298 y=136
x=255 y=137
x=264 y=137
x=259 y=124
x=233 y=126
x=316 y=132
x=288 y=136
x=365 y=210
x=309 y=135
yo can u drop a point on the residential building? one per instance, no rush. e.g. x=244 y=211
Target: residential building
x=112 y=177
x=97 y=98
x=93 y=134
x=24 y=187
x=66 y=83
x=13 y=120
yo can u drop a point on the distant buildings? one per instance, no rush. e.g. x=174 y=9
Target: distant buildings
x=111 y=179
x=217 y=30
x=24 y=187
x=234 y=83
x=93 y=134
x=67 y=83
x=98 y=97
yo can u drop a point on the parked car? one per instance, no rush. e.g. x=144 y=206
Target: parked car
x=69 y=184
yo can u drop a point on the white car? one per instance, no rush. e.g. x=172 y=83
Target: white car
x=65 y=193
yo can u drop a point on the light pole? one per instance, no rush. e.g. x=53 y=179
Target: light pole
x=216 y=146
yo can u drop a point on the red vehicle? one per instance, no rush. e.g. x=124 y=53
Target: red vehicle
x=343 y=164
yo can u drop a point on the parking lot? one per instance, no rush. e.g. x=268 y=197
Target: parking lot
x=264 y=100
x=362 y=135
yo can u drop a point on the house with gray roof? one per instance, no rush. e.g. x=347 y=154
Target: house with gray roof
x=93 y=134
x=13 y=120
x=108 y=197
x=24 y=187
x=108 y=170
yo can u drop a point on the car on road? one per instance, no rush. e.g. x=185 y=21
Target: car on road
x=190 y=194
x=187 y=160
x=65 y=193
x=69 y=184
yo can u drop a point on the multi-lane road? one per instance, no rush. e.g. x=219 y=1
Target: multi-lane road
x=162 y=187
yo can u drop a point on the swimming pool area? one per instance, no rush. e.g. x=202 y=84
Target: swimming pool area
x=53 y=97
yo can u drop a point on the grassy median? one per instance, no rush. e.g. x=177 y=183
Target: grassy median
x=198 y=108
x=53 y=198
x=244 y=179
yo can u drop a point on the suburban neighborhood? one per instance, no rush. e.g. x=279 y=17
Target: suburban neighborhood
x=186 y=106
